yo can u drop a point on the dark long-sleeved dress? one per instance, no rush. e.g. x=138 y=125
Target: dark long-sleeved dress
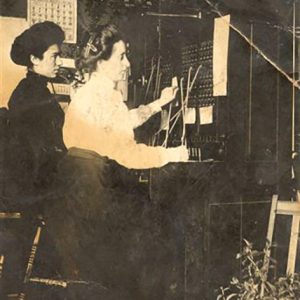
x=34 y=148
x=35 y=138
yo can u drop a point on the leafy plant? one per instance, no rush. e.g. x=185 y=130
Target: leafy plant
x=254 y=283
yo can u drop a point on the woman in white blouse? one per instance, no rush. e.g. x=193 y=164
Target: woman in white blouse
x=98 y=119
x=104 y=227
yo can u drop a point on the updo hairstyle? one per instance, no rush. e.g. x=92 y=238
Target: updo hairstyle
x=35 y=41
x=99 y=46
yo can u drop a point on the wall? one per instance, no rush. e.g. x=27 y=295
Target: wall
x=10 y=73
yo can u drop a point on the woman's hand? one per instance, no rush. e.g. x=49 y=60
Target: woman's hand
x=167 y=95
x=183 y=153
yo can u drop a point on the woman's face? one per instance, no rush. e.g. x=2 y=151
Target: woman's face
x=116 y=66
x=49 y=65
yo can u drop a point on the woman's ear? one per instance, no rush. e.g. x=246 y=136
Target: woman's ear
x=34 y=60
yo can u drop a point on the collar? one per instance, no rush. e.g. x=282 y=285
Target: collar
x=40 y=79
x=100 y=78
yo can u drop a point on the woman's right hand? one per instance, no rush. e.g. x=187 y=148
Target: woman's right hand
x=183 y=153
x=167 y=95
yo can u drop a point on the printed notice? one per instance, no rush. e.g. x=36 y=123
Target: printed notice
x=61 y=12
x=220 y=55
x=206 y=115
x=190 y=115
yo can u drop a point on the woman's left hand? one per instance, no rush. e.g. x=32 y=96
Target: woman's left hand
x=167 y=95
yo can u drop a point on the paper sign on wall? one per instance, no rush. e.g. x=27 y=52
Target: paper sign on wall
x=190 y=115
x=206 y=115
x=220 y=55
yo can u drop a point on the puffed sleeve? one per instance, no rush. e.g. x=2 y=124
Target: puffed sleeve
x=141 y=114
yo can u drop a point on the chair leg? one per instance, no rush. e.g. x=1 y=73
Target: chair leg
x=1 y=265
x=293 y=245
x=1 y=270
x=32 y=254
x=271 y=228
x=31 y=260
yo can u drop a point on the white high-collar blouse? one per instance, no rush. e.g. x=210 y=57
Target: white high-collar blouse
x=97 y=119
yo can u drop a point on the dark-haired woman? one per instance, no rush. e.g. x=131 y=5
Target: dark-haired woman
x=103 y=233
x=36 y=118
x=35 y=144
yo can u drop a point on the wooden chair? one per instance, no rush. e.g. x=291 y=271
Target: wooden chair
x=288 y=208
x=35 y=243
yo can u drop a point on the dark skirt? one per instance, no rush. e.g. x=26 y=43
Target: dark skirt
x=112 y=241
x=96 y=224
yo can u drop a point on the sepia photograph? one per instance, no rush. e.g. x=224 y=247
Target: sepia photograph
x=149 y=149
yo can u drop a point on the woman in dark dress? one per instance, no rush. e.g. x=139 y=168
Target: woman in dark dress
x=35 y=117
x=35 y=144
